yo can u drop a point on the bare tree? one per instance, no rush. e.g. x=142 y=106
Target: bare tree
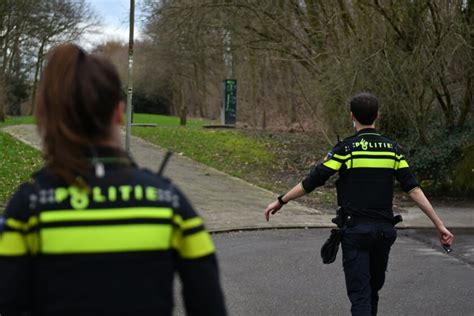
x=28 y=28
x=417 y=56
x=58 y=21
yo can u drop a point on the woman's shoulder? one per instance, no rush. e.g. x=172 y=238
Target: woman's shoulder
x=147 y=176
x=18 y=206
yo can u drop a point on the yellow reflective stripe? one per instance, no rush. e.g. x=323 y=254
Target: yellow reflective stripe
x=192 y=223
x=96 y=239
x=194 y=246
x=399 y=157
x=373 y=163
x=12 y=244
x=187 y=223
x=20 y=225
x=16 y=224
x=403 y=164
x=32 y=242
x=341 y=157
x=98 y=214
x=374 y=153
x=332 y=164
x=178 y=220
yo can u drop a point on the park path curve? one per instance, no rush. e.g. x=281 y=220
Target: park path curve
x=225 y=202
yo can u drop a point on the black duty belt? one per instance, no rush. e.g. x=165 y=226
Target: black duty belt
x=365 y=220
x=353 y=220
x=345 y=218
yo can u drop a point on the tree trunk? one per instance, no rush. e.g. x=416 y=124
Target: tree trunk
x=197 y=87
x=183 y=107
x=39 y=61
x=6 y=40
x=346 y=17
x=205 y=97
x=468 y=92
x=2 y=112
x=290 y=94
x=467 y=102
x=253 y=87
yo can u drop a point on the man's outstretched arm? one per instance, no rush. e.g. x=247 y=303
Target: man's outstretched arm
x=411 y=186
x=445 y=236
x=275 y=206
x=317 y=177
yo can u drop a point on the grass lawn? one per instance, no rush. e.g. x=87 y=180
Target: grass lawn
x=227 y=150
x=17 y=120
x=18 y=162
x=165 y=120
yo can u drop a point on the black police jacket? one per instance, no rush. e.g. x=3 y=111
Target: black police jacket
x=367 y=164
x=110 y=249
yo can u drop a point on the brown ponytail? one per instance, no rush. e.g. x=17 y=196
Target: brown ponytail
x=77 y=96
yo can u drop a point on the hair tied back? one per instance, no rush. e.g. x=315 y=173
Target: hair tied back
x=81 y=54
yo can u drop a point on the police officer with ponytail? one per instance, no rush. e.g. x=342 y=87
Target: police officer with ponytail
x=367 y=164
x=91 y=233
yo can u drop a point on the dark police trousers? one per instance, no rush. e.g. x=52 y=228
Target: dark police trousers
x=365 y=250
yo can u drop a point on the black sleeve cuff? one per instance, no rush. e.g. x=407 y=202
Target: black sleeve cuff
x=308 y=185
x=407 y=188
x=407 y=180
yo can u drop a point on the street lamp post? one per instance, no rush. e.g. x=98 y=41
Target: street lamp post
x=130 y=78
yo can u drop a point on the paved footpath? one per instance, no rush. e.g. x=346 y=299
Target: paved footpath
x=229 y=203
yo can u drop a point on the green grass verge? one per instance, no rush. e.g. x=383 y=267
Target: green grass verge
x=228 y=151
x=160 y=120
x=18 y=162
x=165 y=120
x=17 y=120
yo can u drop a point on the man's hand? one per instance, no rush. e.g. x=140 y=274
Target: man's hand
x=294 y=193
x=272 y=208
x=445 y=236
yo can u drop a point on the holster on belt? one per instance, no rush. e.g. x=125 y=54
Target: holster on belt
x=339 y=220
x=397 y=219
x=331 y=246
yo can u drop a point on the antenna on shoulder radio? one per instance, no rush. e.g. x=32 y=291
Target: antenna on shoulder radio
x=168 y=155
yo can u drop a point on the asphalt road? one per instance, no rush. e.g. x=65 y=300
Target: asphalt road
x=463 y=247
x=279 y=272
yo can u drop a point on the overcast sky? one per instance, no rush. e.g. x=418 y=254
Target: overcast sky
x=113 y=15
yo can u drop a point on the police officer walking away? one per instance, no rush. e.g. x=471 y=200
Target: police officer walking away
x=367 y=163
x=91 y=233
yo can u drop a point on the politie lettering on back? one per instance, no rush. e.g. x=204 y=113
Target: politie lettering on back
x=363 y=144
x=366 y=145
x=81 y=198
